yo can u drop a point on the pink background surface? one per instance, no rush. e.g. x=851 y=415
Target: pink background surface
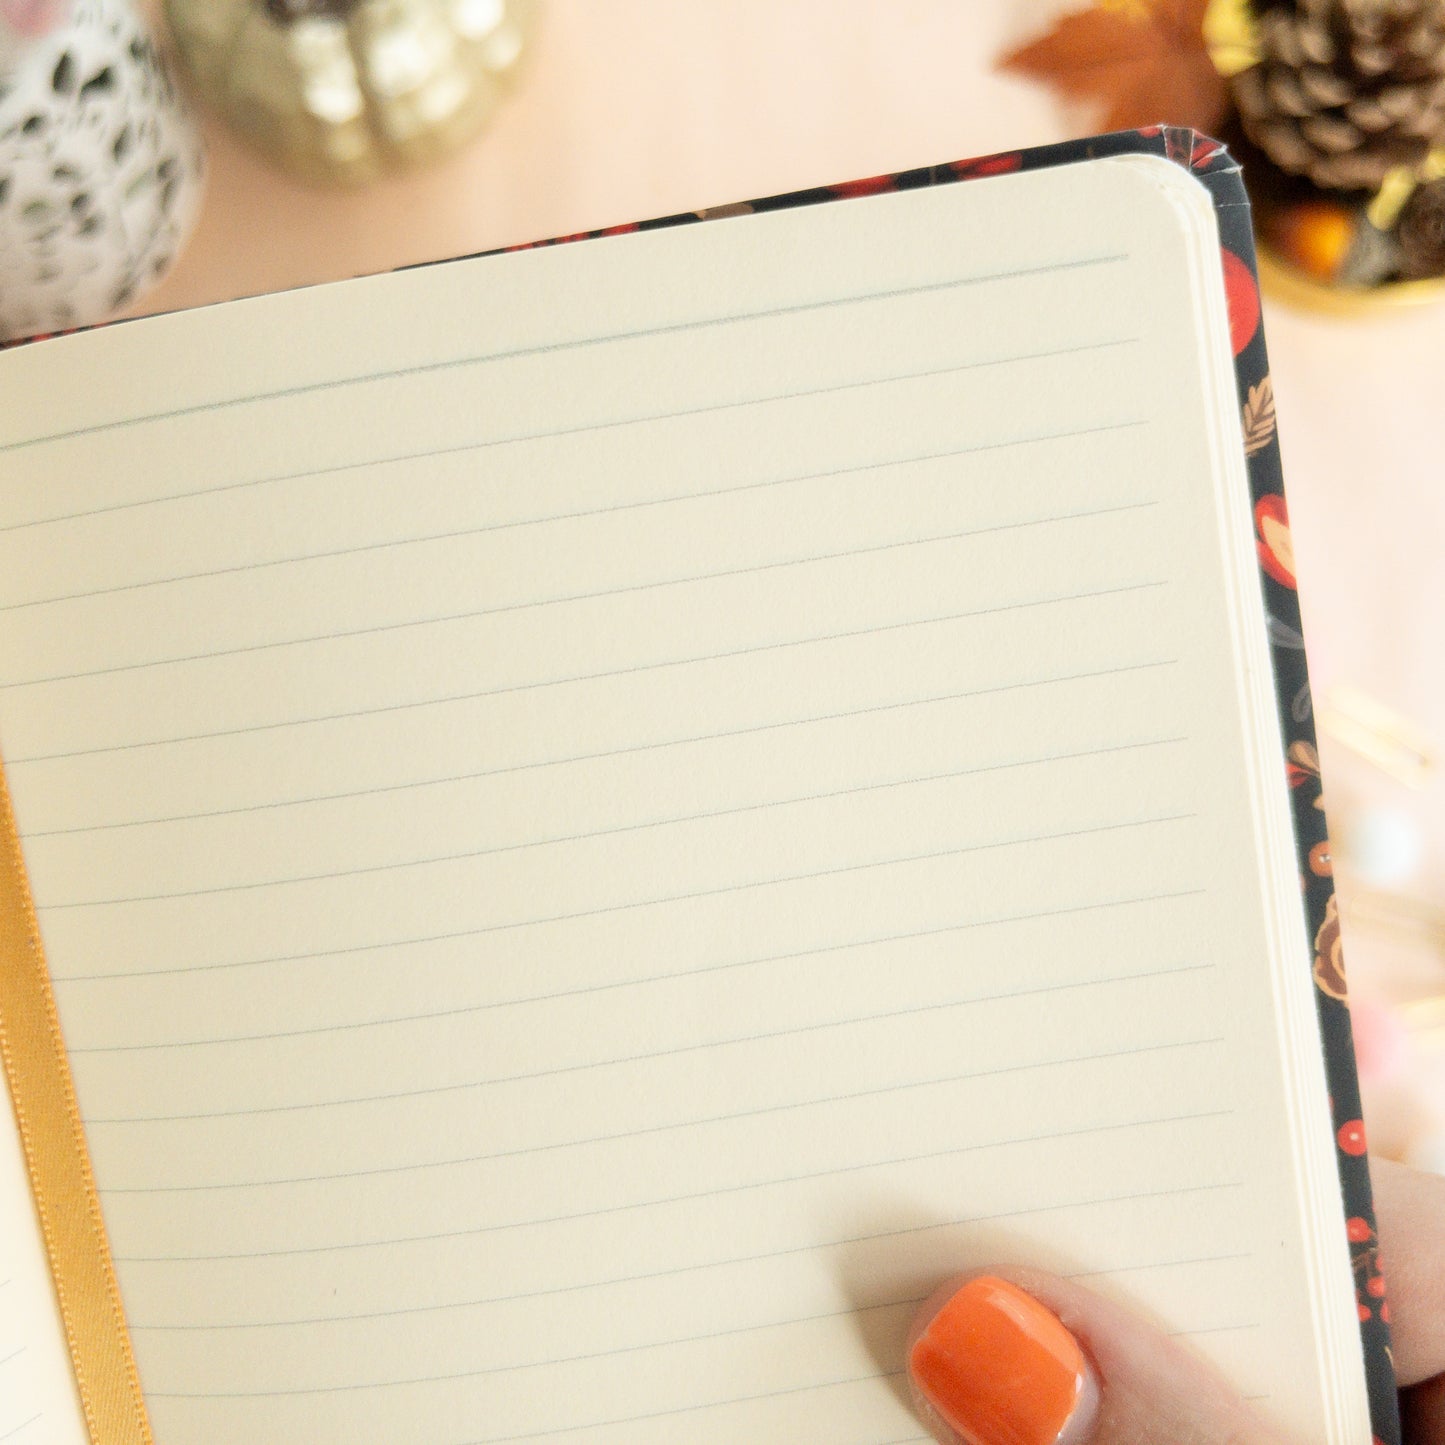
x=637 y=108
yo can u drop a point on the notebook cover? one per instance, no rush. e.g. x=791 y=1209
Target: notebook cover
x=1219 y=173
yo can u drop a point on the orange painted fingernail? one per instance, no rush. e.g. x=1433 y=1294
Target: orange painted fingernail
x=1000 y=1368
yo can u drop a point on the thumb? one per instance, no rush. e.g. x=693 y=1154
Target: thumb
x=1020 y=1358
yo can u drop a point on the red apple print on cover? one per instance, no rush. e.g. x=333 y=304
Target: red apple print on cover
x=998 y=165
x=1204 y=151
x=1352 y=1138
x=1242 y=293
x=1276 y=547
x=868 y=186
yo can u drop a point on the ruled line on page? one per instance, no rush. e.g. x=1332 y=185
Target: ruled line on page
x=1236 y=1257
x=467 y=1010
x=532 y=1364
x=240 y=1325
x=482 y=358
x=557 y=1361
x=630 y=750
x=542 y=1221
x=729 y=1261
x=872 y=1377
x=435 y=453
x=495 y=1080
x=630 y=671
x=724 y=889
x=537 y=1222
x=672 y=1341
x=13 y=1355
x=813 y=1387
x=564 y=599
x=624 y=1279
x=756 y=1328
x=474 y=1374
x=290 y=958
x=464 y=855
x=794 y=1106
x=11 y=1434
x=395 y=545
x=687 y=974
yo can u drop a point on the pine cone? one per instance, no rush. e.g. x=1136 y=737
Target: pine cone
x=1346 y=90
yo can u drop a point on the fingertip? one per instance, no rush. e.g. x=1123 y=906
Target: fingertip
x=1131 y=1380
x=992 y=1365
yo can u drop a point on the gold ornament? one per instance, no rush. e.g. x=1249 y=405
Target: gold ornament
x=346 y=90
x=1232 y=36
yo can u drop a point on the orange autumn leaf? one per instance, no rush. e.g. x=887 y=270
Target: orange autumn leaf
x=1141 y=63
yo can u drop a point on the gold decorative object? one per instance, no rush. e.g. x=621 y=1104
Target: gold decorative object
x=1231 y=36
x=346 y=90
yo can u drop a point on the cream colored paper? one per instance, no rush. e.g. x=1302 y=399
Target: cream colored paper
x=603 y=818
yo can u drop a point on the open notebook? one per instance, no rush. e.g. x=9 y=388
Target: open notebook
x=602 y=817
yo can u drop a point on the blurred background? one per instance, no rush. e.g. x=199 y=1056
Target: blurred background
x=591 y=113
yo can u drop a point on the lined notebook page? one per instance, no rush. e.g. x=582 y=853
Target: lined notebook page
x=606 y=816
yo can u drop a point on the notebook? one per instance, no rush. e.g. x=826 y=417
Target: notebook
x=588 y=823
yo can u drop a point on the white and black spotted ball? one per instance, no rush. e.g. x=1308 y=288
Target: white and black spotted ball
x=100 y=168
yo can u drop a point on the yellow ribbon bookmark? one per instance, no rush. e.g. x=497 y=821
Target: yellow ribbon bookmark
x=59 y=1163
